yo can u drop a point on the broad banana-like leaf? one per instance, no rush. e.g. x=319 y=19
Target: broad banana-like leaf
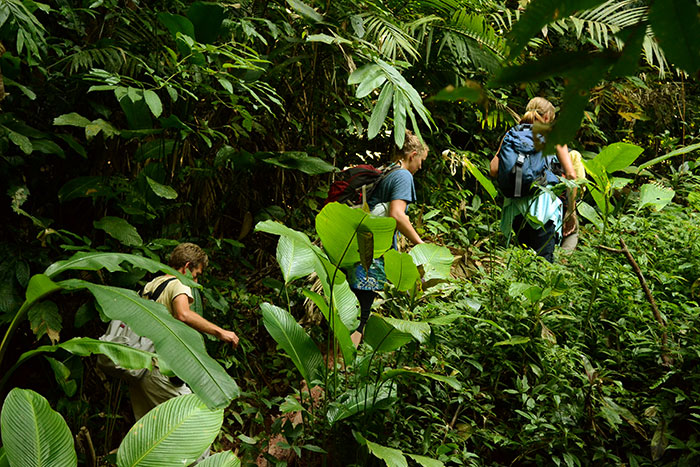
x=112 y=262
x=175 y=432
x=4 y=461
x=33 y=434
x=344 y=300
x=365 y=399
x=122 y=355
x=179 y=346
x=293 y=340
x=222 y=459
x=382 y=336
x=420 y=330
x=341 y=333
x=337 y=226
x=618 y=156
x=295 y=253
x=655 y=195
x=435 y=259
x=401 y=270
x=419 y=372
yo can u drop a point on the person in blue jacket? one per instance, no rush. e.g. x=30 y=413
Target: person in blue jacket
x=390 y=198
x=518 y=213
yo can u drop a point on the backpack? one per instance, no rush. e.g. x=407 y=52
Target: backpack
x=119 y=332
x=520 y=164
x=356 y=184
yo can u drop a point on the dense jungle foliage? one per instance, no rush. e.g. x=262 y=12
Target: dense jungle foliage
x=128 y=126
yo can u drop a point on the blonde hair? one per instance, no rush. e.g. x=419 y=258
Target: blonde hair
x=538 y=110
x=411 y=143
x=188 y=253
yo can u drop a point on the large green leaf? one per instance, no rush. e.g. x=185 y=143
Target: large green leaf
x=380 y=111
x=119 y=229
x=676 y=26
x=391 y=457
x=164 y=191
x=365 y=399
x=340 y=331
x=337 y=226
x=179 y=347
x=71 y=119
x=113 y=263
x=420 y=330
x=618 y=156
x=177 y=23
x=344 y=300
x=175 y=432
x=382 y=336
x=122 y=355
x=293 y=340
x=44 y=319
x=206 y=18
x=221 y=459
x=82 y=187
x=33 y=434
x=295 y=253
x=588 y=212
x=401 y=270
x=655 y=195
x=435 y=259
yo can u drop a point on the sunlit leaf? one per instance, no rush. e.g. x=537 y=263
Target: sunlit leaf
x=293 y=340
x=337 y=226
x=401 y=270
x=33 y=434
x=382 y=336
x=435 y=259
x=655 y=195
x=175 y=432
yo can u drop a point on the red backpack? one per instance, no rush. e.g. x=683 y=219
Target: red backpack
x=352 y=182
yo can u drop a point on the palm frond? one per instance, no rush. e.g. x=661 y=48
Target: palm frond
x=390 y=37
x=472 y=40
x=109 y=58
x=603 y=22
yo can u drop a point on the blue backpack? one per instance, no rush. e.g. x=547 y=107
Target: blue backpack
x=520 y=164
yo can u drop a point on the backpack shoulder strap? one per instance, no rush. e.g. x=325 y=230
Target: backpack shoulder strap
x=159 y=290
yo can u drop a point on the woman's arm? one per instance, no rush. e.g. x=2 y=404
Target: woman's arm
x=570 y=215
x=565 y=161
x=494 y=166
x=397 y=210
